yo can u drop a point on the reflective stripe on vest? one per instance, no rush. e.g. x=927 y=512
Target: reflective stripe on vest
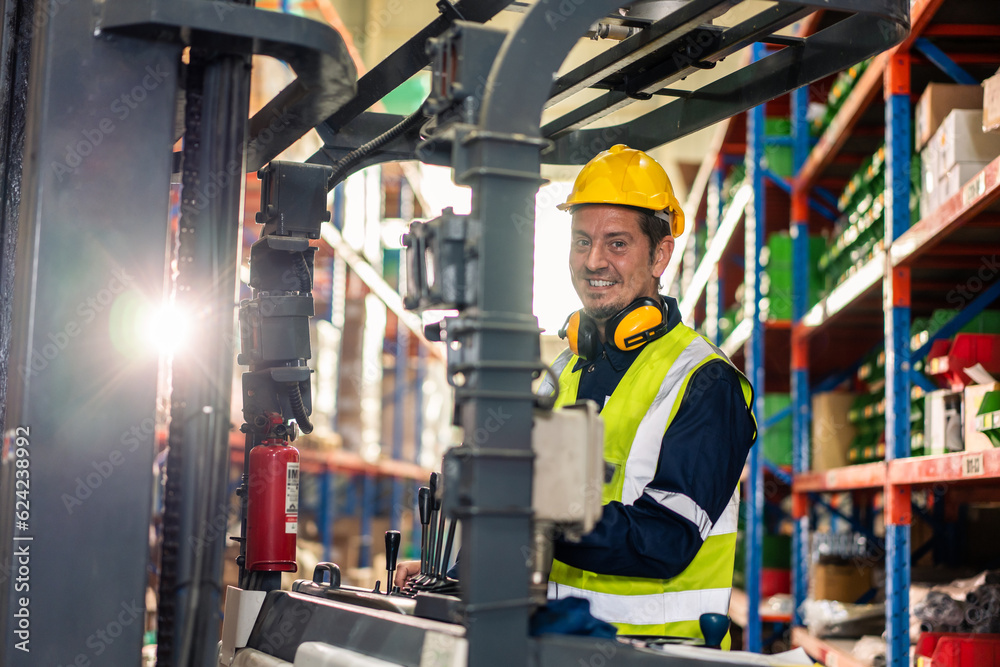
x=646 y=609
x=548 y=384
x=637 y=415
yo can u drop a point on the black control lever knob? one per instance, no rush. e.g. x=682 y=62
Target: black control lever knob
x=432 y=527
x=435 y=484
x=392 y=540
x=424 y=506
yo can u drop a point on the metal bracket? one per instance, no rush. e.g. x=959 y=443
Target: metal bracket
x=441 y=266
x=326 y=74
x=461 y=361
x=449 y=10
x=461 y=59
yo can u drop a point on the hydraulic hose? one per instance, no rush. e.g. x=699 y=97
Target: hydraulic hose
x=299 y=409
x=302 y=271
x=361 y=152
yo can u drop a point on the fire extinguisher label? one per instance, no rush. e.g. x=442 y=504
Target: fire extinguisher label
x=292 y=489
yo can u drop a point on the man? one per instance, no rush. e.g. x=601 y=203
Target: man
x=677 y=418
x=677 y=414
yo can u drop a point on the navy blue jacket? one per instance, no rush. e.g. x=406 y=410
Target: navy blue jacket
x=702 y=456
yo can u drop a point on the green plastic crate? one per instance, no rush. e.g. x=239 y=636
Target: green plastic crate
x=988 y=417
x=777 y=259
x=778 y=158
x=776 y=554
x=986 y=322
x=777 y=440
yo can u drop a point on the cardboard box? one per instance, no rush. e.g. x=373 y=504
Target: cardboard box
x=929 y=177
x=952 y=181
x=845 y=583
x=942 y=421
x=832 y=432
x=937 y=102
x=991 y=104
x=961 y=139
x=974 y=440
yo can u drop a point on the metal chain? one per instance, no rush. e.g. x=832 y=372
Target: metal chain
x=166 y=610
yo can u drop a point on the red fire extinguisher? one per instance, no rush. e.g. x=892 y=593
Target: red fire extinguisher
x=272 y=507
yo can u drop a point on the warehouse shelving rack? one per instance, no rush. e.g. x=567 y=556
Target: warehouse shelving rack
x=870 y=307
x=917 y=262
x=758 y=206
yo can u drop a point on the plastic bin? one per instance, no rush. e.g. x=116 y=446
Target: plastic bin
x=947 y=358
x=954 y=649
x=775 y=581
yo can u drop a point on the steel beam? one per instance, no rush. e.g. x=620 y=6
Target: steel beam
x=787 y=187
x=15 y=49
x=679 y=65
x=755 y=226
x=92 y=234
x=874 y=28
x=409 y=58
x=315 y=51
x=896 y=290
x=940 y=59
x=801 y=400
x=500 y=336
x=216 y=107
x=646 y=43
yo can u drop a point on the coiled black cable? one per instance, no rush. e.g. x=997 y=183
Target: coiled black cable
x=361 y=152
x=302 y=271
x=299 y=409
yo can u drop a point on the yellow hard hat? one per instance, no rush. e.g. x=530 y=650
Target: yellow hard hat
x=627 y=177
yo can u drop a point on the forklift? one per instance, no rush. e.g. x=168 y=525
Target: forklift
x=96 y=94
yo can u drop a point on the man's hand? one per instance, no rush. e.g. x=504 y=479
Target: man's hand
x=405 y=571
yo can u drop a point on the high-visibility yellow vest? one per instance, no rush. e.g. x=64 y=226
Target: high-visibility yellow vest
x=636 y=416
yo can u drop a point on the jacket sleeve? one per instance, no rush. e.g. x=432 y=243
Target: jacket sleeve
x=700 y=462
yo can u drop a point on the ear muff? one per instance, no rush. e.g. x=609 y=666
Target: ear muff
x=581 y=335
x=640 y=322
x=570 y=332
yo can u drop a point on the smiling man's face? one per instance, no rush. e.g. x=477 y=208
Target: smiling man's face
x=610 y=259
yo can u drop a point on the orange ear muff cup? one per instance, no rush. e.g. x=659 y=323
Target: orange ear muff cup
x=582 y=336
x=635 y=328
x=571 y=331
